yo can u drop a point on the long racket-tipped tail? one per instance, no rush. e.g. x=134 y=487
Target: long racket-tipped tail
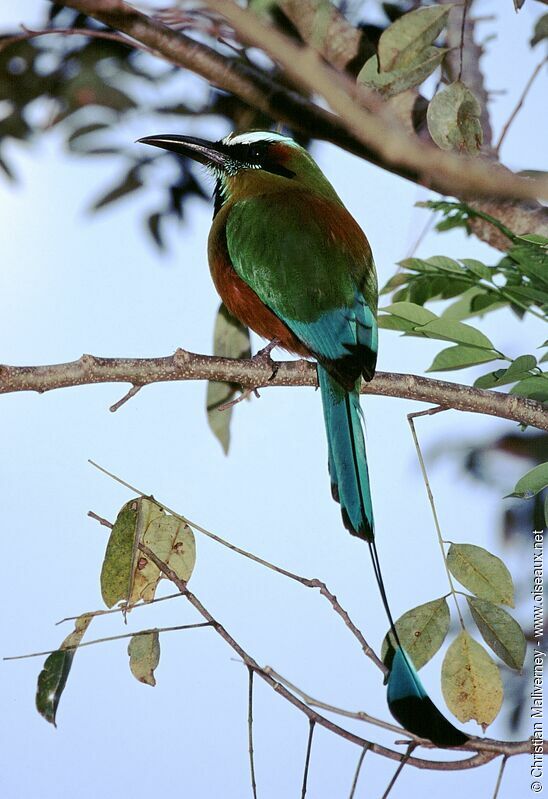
x=408 y=701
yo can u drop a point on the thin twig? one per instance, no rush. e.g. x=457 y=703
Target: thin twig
x=141 y=604
x=250 y=732
x=461 y=48
x=131 y=393
x=307 y=582
x=357 y=772
x=312 y=724
x=410 y=417
x=89 y=32
x=486 y=750
x=399 y=770
x=519 y=104
x=499 y=776
x=418 y=241
x=103 y=522
x=359 y=715
x=111 y=638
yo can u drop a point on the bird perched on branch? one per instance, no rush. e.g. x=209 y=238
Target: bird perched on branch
x=290 y=262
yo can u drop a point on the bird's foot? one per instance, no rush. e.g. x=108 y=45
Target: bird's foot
x=246 y=393
x=264 y=358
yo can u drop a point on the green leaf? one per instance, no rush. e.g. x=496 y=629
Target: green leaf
x=218 y=394
x=488 y=301
x=477 y=268
x=473 y=302
x=470 y=681
x=524 y=363
x=532 y=387
x=417 y=265
x=388 y=322
x=230 y=340
x=541 y=30
x=482 y=573
x=532 y=482
x=53 y=677
x=51 y=684
x=397 y=280
x=410 y=311
x=402 y=43
x=535 y=238
x=525 y=292
x=144 y=656
x=444 y=263
x=519 y=369
x=116 y=569
x=499 y=631
x=453 y=119
x=460 y=357
x=421 y=631
x=449 y=330
x=491 y=379
x=127 y=575
x=389 y=84
x=532 y=260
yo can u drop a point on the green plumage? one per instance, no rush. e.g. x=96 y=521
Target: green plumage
x=291 y=262
x=279 y=247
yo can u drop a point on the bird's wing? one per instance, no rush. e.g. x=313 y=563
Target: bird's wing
x=309 y=262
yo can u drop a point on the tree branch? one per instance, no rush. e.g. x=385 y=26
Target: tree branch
x=437 y=168
x=261 y=92
x=338 y=41
x=255 y=373
x=486 y=750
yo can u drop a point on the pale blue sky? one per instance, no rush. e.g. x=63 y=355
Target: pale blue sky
x=74 y=283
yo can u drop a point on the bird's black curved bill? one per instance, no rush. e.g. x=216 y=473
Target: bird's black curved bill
x=206 y=152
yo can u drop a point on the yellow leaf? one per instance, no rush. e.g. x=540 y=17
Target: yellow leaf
x=172 y=541
x=144 y=656
x=471 y=682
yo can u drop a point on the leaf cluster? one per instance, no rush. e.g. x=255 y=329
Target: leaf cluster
x=470 y=678
x=127 y=577
x=518 y=281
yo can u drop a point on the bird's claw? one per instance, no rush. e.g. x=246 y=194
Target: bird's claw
x=263 y=357
x=246 y=393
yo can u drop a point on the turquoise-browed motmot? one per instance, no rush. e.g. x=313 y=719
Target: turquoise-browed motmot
x=290 y=262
